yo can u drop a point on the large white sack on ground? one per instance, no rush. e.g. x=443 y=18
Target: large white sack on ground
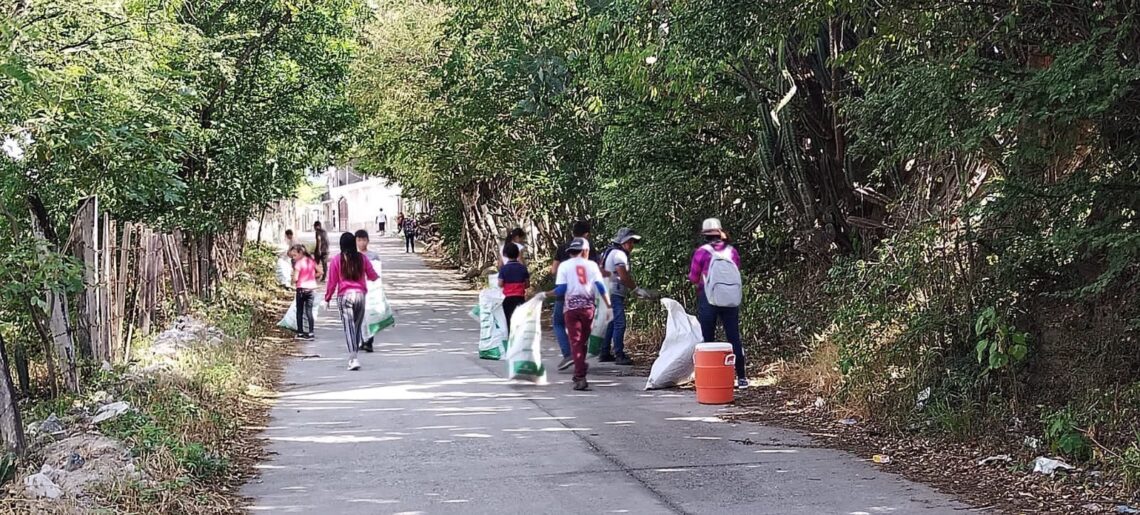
x=492 y=323
x=289 y=321
x=378 y=314
x=674 y=364
x=285 y=271
x=524 y=352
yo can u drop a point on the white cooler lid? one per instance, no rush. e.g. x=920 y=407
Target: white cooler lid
x=714 y=347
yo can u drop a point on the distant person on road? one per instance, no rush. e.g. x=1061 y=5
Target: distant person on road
x=362 y=247
x=514 y=278
x=579 y=281
x=616 y=267
x=321 y=249
x=305 y=275
x=382 y=221
x=409 y=228
x=517 y=237
x=715 y=270
x=581 y=230
x=348 y=279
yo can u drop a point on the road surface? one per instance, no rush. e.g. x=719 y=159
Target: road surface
x=427 y=428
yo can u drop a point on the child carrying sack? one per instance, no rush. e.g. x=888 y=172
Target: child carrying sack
x=602 y=318
x=378 y=314
x=492 y=323
x=722 y=284
x=524 y=353
x=674 y=364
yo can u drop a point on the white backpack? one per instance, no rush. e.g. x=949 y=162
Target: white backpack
x=722 y=284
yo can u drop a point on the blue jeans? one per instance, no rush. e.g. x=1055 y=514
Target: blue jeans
x=615 y=333
x=559 y=323
x=707 y=315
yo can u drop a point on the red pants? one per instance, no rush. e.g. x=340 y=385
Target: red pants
x=578 y=322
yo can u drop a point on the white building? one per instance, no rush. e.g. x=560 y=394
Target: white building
x=354 y=201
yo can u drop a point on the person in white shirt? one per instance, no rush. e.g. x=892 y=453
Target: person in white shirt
x=579 y=281
x=616 y=267
x=382 y=221
x=517 y=237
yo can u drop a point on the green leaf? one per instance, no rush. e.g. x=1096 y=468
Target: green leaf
x=981 y=349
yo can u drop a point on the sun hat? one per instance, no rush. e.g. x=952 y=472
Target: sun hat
x=626 y=234
x=711 y=226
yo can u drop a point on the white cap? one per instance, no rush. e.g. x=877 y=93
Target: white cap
x=711 y=226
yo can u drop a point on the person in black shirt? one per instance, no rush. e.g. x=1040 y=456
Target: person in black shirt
x=581 y=230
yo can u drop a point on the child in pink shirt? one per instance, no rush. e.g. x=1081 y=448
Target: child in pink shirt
x=305 y=275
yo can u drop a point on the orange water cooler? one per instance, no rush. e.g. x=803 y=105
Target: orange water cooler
x=715 y=372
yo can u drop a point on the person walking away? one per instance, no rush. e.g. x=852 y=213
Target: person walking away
x=579 y=281
x=382 y=222
x=617 y=268
x=409 y=228
x=581 y=230
x=715 y=270
x=321 y=249
x=362 y=247
x=514 y=277
x=305 y=275
x=348 y=279
x=517 y=237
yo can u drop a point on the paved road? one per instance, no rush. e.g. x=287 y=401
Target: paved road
x=427 y=428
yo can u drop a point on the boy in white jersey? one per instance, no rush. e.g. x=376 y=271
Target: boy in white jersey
x=579 y=281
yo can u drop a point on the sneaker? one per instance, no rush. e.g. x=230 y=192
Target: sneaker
x=606 y=358
x=308 y=337
x=353 y=364
x=565 y=363
x=623 y=360
x=741 y=384
x=580 y=385
x=300 y=336
x=366 y=346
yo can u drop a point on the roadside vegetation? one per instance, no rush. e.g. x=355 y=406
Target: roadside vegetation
x=936 y=203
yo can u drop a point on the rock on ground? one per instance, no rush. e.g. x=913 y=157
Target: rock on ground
x=74 y=465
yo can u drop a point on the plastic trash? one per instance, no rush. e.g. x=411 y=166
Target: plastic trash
x=1004 y=458
x=848 y=421
x=881 y=458
x=1031 y=442
x=674 y=363
x=492 y=323
x=923 y=396
x=284 y=271
x=1124 y=508
x=602 y=318
x=1048 y=466
x=524 y=352
x=378 y=314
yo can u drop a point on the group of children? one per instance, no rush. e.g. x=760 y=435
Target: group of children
x=582 y=275
x=347 y=279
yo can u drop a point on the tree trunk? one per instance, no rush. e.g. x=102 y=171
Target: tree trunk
x=11 y=428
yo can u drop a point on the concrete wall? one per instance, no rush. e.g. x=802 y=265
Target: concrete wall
x=364 y=201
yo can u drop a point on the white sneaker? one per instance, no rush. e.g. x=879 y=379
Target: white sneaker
x=353 y=364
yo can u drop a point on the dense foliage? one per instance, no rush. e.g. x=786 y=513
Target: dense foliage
x=926 y=194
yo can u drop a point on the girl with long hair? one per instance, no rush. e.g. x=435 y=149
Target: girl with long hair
x=348 y=279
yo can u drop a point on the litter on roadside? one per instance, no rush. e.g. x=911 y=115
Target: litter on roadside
x=1048 y=466
x=1004 y=458
x=1124 y=508
x=848 y=421
x=881 y=458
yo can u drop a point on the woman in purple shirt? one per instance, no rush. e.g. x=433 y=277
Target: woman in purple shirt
x=707 y=314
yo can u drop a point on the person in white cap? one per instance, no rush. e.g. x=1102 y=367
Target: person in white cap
x=715 y=270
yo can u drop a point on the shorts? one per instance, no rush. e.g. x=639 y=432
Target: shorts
x=382 y=224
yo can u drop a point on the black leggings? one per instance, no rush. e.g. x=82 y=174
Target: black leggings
x=509 y=305
x=409 y=243
x=304 y=310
